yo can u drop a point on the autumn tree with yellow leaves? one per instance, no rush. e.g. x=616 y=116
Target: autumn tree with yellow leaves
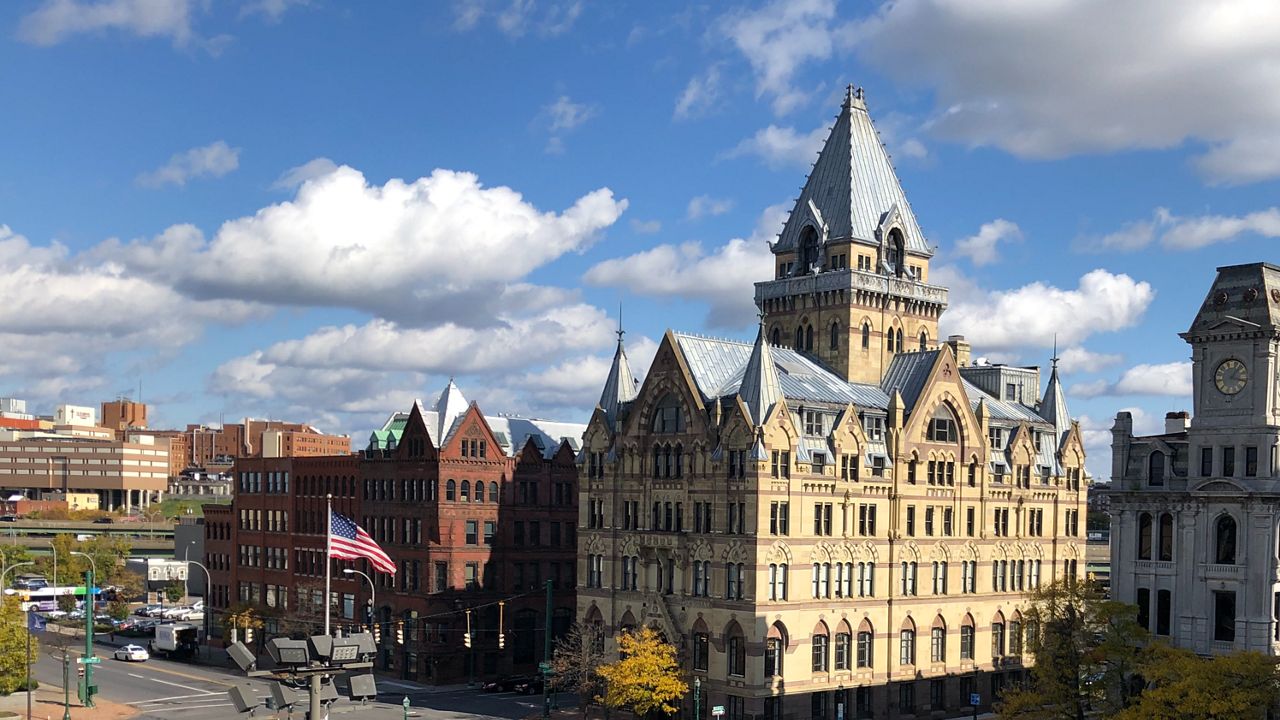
x=647 y=679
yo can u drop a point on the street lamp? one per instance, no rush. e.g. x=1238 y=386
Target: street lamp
x=53 y=550
x=373 y=603
x=208 y=589
x=6 y=572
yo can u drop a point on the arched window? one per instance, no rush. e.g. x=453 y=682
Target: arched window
x=479 y=491
x=799 y=338
x=1225 y=541
x=667 y=416
x=866 y=335
x=907 y=644
x=889 y=341
x=1166 y=537
x=465 y=495
x=938 y=641
x=997 y=636
x=679 y=461
x=966 y=638
x=776 y=338
x=897 y=252
x=924 y=341
x=866 y=644
x=1144 y=536
x=843 y=646
x=493 y=492
x=450 y=490
x=808 y=250
x=835 y=336
x=1155 y=468
x=736 y=649
x=820 y=642
x=808 y=338
x=942 y=427
x=774 y=644
x=898 y=341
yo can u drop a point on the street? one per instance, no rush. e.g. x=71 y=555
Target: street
x=166 y=690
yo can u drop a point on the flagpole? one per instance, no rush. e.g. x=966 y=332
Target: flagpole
x=328 y=559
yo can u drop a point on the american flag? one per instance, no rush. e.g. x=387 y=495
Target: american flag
x=349 y=541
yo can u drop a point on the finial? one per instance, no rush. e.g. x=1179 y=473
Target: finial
x=620 y=331
x=1054 y=359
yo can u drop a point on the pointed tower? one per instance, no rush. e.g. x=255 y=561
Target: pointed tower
x=760 y=388
x=449 y=407
x=1054 y=406
x=852 y=266
x=620 y=386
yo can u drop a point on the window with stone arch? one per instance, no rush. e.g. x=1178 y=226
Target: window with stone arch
x=866 y=335
x=808 y=338
x=1155 y=468
x=667 y=416
x=799 y=346
x=820 y=644
x=1144 y=536
x=901 y=347
x=943 y=427
x=809 y=250
x=866 y=644
x=897 y=252
x=775 y=338
x=1224 y=545
x=835 y=336
x=889 y=341
x=924 y=340
x=1165 y=550
x=775 y=644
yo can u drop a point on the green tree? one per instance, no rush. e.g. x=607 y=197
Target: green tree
x=1086 y=653
x=646 y=679
x=1184 y=686
x=578 y=654
x=13 y=646
x=173 y=591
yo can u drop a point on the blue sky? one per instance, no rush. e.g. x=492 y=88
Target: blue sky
x=321 y=210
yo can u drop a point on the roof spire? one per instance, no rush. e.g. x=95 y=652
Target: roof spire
x=760 y=388
x=1055 y=357
x=1054 y=406
x=620 y=386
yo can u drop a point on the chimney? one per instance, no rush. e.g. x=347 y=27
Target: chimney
x=1177 y=422
x=960 y=348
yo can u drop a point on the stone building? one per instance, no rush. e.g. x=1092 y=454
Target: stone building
x=840 y=519
x=1195 y=510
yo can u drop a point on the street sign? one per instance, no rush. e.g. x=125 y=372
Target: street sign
x=544 y=667
x=717 y=711
x=975 y=699
x=95 y=660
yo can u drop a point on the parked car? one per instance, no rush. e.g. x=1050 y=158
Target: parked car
x=505 y=684
x=133 y=653
x=531 y=685
x=103 y=521
x=8 y=518
x=146 y=610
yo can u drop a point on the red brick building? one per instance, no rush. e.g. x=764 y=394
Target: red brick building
x=475 y=511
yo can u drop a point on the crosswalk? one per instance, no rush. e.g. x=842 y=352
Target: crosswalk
x=182 y=704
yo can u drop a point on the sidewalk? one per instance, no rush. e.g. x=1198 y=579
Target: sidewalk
x=47 y=705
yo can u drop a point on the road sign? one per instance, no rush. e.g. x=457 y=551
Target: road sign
x=95 y=660
x=544 y=667
x=717 y=710
x=975 y=699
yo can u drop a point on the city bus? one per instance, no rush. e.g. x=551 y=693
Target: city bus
x=46 y=599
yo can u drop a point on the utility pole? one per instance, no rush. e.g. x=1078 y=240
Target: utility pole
x=66 y=685
x=546 y=658
x=697 y=698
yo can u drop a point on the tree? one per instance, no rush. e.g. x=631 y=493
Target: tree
x=1183 y=686
x=174 y=591
x=578 y=655
x=13 y=646
x=1087 y=651
x=646 y=679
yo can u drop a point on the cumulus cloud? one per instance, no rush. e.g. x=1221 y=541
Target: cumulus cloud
x=57 y=20
x=293 y=177
x=1176 y=232
x=1039 y=81
x=982 y=249
x=213 y=160
x=705 y=205
x=419 y=252
x=782 y=147
x=1164 y=379
x=562 y=116
x=577 y=382
x=1039 y=314
x=1080 y=360
x=722 y=277
x=777 y=40
x=700 y=95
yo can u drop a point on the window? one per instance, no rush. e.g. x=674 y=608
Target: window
x=780 y=465
x=942 y=426
x=866 y=579
x=442 y=577
x=450 y=490
x=907 y=646
x=465 y=494
x=1144 y=536
x=471 y=576
x=908 y=578
x=1206 y=461
x=822 y=580
x=866 y=643
x=928 y=521
x=835 y=336
x=968 y=576
x=866 y=330
x=1228 y=461
x=822 y=513
x=969 y=517
x=907 y=698
x=1142 y=598
x=911 y=520
x=1166 y=537
x=1224 y=616
x=490 y=529
x=737 y=651
x=997 y=639
x=866 y=519
x=1251 y=461
x=966 y=640
x=873 y=425
x=844 y=647
x=938 y=644
x=996 y=437
x=938 y=694
x=778 y=582
x=1164 y=608
x=820 y=654
x=1155 y=469
x=472 y=533
x=1225 y=541
x=849 y=467
x=779 y=518
x=1015 y=638
x=773 y=655
x=940 y=577
x=667 y=417
x=734 y=580
x=701 y=650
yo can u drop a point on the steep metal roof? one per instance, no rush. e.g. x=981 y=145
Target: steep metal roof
x=853 y=185
x=760 y=389
x=1248 y=294
x=1002 y=410
x=620 y=386
x=718 y=365
x=907 y=374
x=1054 y=406
x=449 y=407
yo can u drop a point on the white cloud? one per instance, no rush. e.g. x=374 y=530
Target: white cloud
x=1036 y=314
x=705 y=205
x=56 y=20
x=700 y=95
x=783 y=147
x=213 y=160
x=721 y=277
x=516 y=18
x=271 y=10
x=1176 y=232
x=577 y=382
x=646 y=227
x=565 y=114
x=293 y=177
x=981 y=249
x=1040 y=81
x=777 y=40
x=1080 y=360
x=440 y=248
x=1165 y=379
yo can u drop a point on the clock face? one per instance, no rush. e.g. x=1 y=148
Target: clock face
x=1231 y=377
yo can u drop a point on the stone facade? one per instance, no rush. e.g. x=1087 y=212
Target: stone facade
x=1195 y=510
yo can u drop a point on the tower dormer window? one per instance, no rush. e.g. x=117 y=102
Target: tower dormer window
x=667 y=417
x=810 y=257
x=866 y=335
x=897 y=252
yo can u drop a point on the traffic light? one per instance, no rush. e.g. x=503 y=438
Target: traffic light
x=502 y=640
x=400 y=633
x=377 y=633
x=248 y=636
x=466 y=639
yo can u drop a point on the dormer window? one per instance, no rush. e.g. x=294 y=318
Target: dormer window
x=873 y=425
x=810 y=254
x=942 y=426
x=814 y=423
x=996 y=436
x=667 y=417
